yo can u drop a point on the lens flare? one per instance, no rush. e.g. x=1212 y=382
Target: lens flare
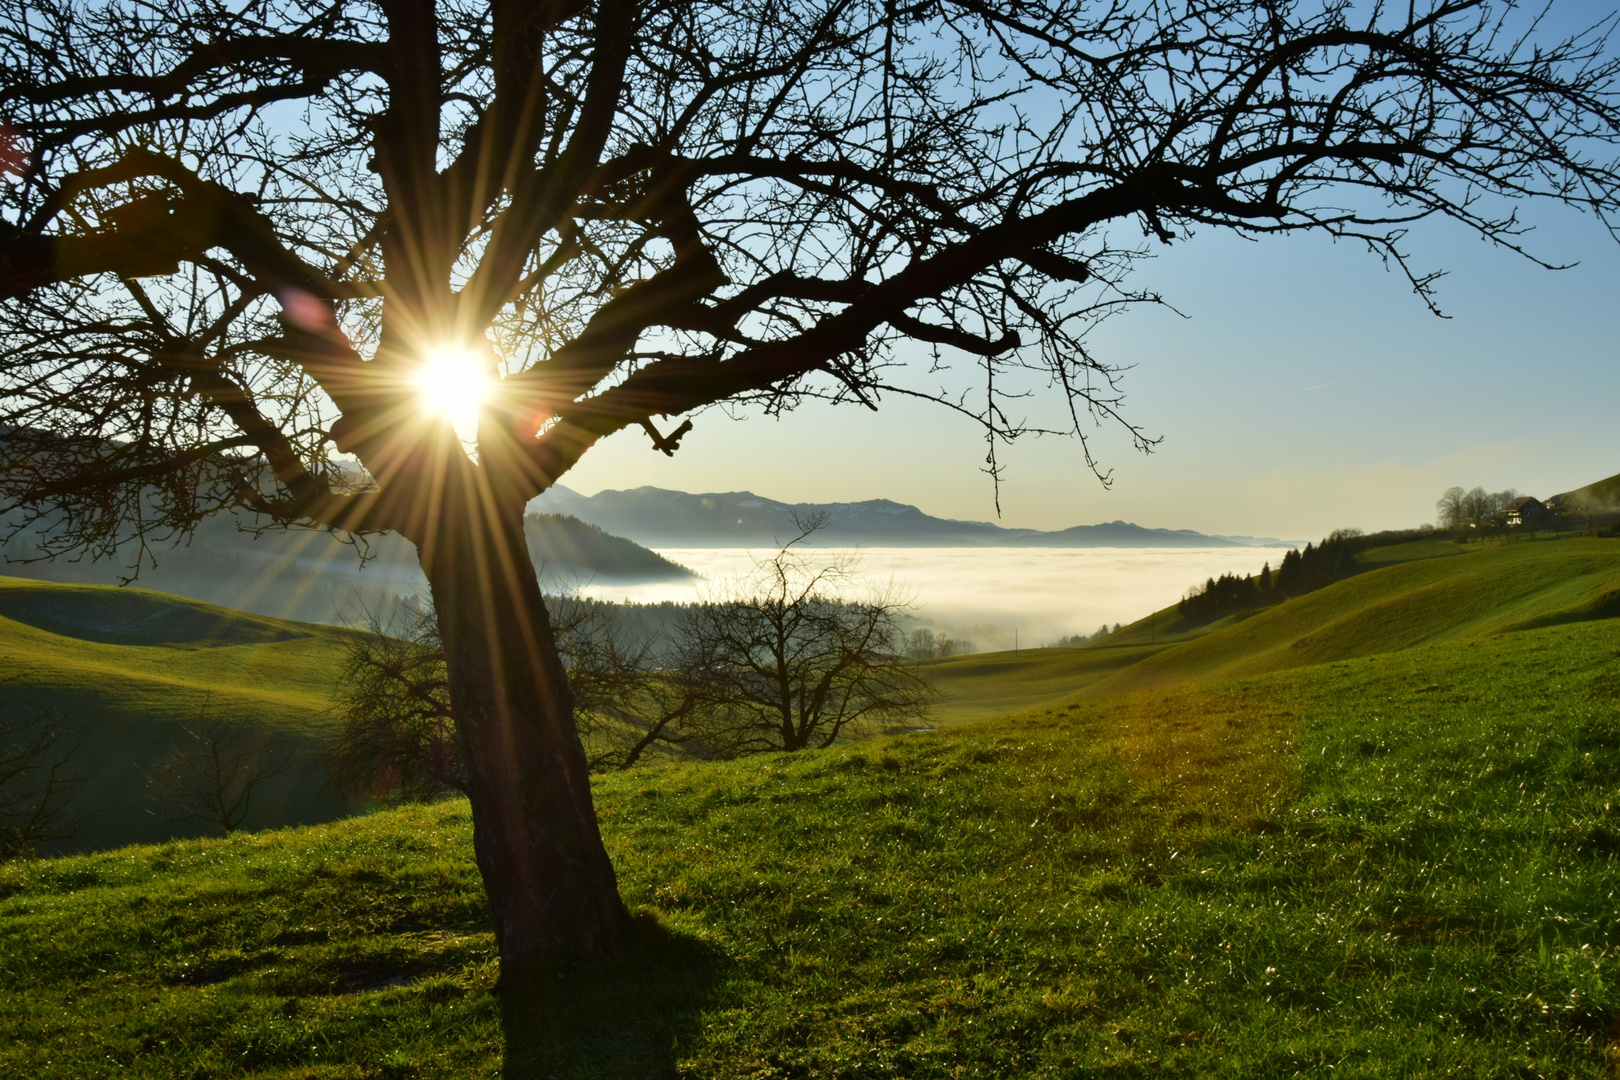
x=15 y=156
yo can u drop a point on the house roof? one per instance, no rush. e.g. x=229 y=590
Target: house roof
x=1521 y=502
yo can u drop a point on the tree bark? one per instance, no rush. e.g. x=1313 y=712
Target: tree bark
x=551 y=887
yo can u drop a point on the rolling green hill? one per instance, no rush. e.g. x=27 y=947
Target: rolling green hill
x=127 y=667
x=1375 y=827
x=131 y=665
x=985 y=686
x=1603 y=493
x=1494 y=590
x=1411 y=594
x=1401 y=865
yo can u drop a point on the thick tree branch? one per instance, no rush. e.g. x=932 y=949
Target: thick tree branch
x=950 y=335
x=318 y=57
x=674 y=386
x=540 y=197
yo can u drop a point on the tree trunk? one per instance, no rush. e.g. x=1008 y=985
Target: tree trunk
x=551 y=886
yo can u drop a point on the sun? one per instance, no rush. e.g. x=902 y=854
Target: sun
x=454 y=382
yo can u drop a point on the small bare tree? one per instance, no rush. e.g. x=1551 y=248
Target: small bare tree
x=921 y=644
x=37 y=783
x=791 y=657
x=398 y=742
x=1477 y=505
x=211 y=774
x=626 y=700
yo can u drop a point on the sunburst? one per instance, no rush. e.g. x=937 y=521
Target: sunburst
x=455 y=382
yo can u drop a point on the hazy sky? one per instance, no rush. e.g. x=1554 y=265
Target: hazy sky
x=1306 y=389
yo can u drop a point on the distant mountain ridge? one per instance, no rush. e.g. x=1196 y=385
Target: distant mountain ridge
x=657 y=517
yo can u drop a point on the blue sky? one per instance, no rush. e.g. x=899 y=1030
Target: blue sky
x=1306 y=389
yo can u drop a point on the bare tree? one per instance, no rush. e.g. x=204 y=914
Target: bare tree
x=921 y=644
x=397 y=739
x=1477 y=505
x=37 y=780
x=1448 y=511
x=792 y=657
x=213 y=770
x=1473 y=507
x=626 y=699
x=238 y=238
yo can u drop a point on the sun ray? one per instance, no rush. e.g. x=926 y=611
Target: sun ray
x=454 y=382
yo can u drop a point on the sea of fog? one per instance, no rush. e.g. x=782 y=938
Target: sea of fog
x=986 y=595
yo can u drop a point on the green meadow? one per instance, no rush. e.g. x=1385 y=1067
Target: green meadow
x=1371 y=831
x=1410 y=594
x=129 y=667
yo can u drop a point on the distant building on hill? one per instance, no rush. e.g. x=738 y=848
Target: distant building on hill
x=1525 y=510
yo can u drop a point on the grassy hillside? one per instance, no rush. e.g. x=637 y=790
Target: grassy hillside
x=1410 y=594
x=1604 y=492
x=129 y=666
x=1400 y=865
x=1492 y=590
x=132 y=665
x=986 y=686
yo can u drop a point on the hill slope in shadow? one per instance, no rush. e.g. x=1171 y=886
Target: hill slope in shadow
x=128 y=668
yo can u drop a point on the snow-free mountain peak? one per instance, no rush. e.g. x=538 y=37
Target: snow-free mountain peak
x=658 y=517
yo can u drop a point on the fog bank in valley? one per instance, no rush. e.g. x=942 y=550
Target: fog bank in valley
x=984 y=595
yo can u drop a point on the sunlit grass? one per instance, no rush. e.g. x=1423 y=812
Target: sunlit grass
x=1394 y=866
x=1412 y=595
x=1426 y=600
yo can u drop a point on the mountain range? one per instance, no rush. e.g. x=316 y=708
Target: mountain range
x=660 y=518
x=573 y=538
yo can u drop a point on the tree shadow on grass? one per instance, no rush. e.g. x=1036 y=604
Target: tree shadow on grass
x=615 y=1018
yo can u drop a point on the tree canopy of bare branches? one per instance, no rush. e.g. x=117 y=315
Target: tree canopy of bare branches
x=397 y=741
x=234 y=237
x=37 y=780
x=795 y=656
x=1456 y=507
x=212 y=771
